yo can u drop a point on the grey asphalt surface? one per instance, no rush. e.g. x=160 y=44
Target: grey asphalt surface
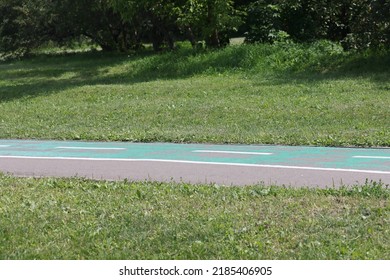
x=185 y=172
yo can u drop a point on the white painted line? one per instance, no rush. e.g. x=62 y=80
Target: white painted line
x=232 y=152
x=5 y=146
x=372 y=157
x=205 y=163
x=88 y=148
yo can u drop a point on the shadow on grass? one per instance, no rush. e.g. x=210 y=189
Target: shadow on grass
x=48 y=74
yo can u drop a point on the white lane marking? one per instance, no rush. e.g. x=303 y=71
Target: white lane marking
x=232 y=152
x=205 y=163
x=5 y=146
x=88 y=148
x=372 y=157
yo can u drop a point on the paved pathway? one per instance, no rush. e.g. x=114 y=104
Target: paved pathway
x=196 y=163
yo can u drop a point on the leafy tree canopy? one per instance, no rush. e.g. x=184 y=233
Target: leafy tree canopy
x=123 y=25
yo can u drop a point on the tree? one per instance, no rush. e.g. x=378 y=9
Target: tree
x=24 y=25
x=154 y=20
x=369 y=24
x=210 y=19
x=198 y=20
x=263 y=20
x=355 y=23
x=121 y=25
x=95 y=19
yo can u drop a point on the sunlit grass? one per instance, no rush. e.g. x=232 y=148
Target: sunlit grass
x=295 y=94
x=81 y=219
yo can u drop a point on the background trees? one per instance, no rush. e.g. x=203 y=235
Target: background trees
x=211 y=19
x=122 y=25
x=25 y=24
x=354 y=23
x=165 y=21
x=21 y=21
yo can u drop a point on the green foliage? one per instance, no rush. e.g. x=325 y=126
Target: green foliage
x=368 y=24
x=21 y=22
x=197 y=20
x=27 y=24
x=115 y=24
x=357 y=24
x=212 y=19
x=153 y=21
x=263 y=21
x=123 y=25
x=95 y=20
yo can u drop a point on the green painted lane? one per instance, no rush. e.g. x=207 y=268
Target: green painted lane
x=314 y=157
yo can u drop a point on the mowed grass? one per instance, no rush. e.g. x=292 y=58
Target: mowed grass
x=282 y=94
x=81 y=219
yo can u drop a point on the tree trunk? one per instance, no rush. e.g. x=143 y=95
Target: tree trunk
x=213 y=39
x=191 y=37
x=170 y=40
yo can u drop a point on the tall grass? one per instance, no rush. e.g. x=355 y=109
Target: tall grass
x=280 y=58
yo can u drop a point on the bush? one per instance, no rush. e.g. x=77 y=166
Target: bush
x=357 y=24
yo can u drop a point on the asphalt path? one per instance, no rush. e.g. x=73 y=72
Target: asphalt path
x=195 y=163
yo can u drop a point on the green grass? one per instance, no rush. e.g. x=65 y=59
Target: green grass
x=282 y=94
x=81 y=219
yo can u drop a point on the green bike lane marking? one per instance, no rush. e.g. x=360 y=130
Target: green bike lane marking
x=315 y=158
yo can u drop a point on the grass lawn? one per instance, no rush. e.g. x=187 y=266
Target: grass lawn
x=282 y=94
x=80 y=219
